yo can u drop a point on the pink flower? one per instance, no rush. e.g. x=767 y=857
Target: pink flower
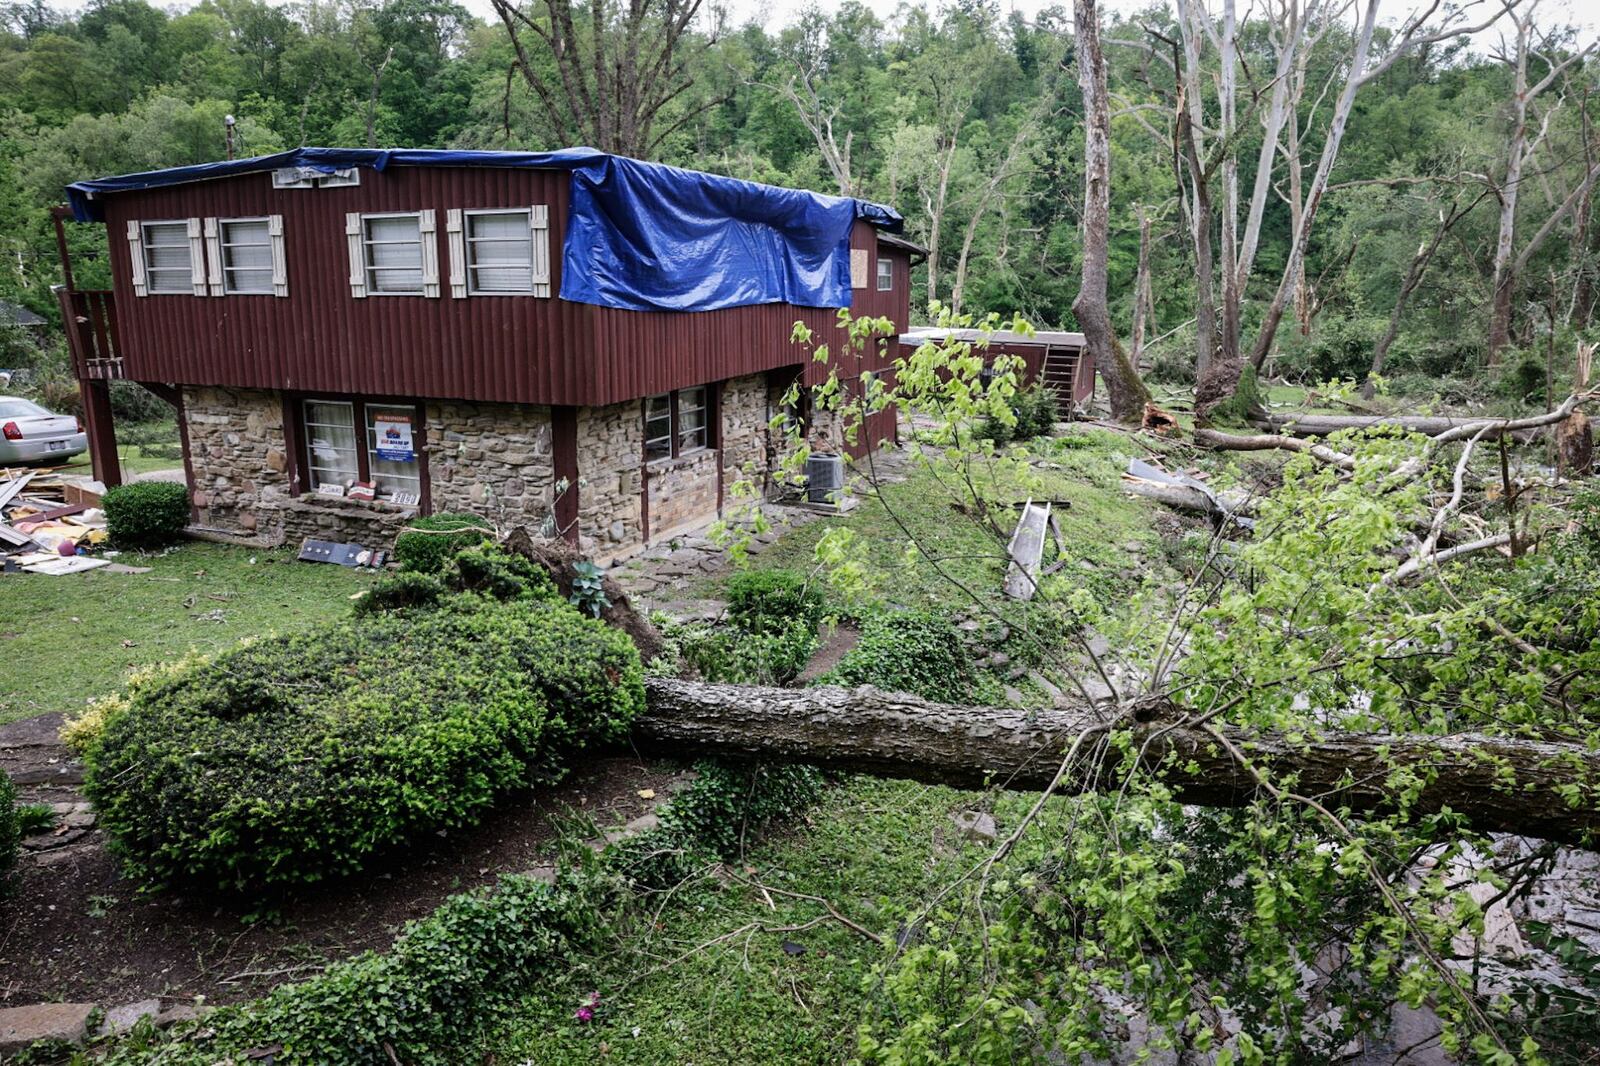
x=586 y=1014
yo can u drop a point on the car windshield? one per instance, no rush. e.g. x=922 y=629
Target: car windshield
x=10 y=407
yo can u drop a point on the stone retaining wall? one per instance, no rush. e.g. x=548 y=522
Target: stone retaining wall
x=610 y=446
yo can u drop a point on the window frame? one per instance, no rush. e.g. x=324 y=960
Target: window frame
x=883 y=262
x=370 y=270
x=707 y=429
x=151 y=271
x=467 y=241
x=222 y=250
x=304 y=482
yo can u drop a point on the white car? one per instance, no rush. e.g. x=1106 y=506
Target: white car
x=30 y=434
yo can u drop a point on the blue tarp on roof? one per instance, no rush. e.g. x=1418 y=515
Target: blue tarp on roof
x=640 y=236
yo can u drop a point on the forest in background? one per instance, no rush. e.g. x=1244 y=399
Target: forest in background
x=1466 y=167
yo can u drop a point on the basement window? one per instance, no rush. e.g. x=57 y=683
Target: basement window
x=678 y=423
x=355 y=441
x=168 y=262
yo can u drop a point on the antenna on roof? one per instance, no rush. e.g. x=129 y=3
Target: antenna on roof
x=227 y=120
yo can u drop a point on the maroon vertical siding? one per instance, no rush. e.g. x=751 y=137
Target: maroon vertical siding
x=519 y=349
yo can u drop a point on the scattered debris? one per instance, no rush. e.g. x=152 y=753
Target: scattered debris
x=1027 y=551
x=976 y=825
x=352 y=555
x=45 y=526
x=1158 y=421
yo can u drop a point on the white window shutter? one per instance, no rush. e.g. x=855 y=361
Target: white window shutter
x=280 y=262
x=213 y=257
x=197 y=257
x=136 y=255
x=430 y=253
x=539 y=245
x=358 y=256
x=456 y=231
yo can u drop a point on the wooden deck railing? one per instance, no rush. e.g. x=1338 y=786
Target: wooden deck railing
x=91 y=329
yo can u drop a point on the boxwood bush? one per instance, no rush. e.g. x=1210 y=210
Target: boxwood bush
x=428 y=543
x=146 y=514
x=294 y=759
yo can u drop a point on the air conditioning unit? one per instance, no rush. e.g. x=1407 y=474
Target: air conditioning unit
x=824 y=478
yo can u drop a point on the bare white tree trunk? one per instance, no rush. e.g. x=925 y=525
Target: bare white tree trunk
x=1361 y=71
x=1518 y=151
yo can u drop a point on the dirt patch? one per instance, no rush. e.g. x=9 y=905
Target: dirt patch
x=75 y=929
x=837 y=640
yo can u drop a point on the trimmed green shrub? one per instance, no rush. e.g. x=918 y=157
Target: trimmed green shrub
x=403 y=591
x=918 y=652
x=492 y=570
x=294 y=759
x=449 y=977
x=760 y=601
x=428 y=543
x=10 y=830
x=146 y=514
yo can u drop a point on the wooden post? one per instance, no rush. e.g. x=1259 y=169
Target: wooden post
x=98 y=424
x=564 y=462
x=59 y=215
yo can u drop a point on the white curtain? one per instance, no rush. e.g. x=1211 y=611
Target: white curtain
x=394 y=254
x=247 y=256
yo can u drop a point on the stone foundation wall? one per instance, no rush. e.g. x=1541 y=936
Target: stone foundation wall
x=610 y=444
x=746 y=443
x=236 y=447
x=492 y=459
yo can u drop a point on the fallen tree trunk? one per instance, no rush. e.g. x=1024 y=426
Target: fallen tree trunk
x=1323 y=425
x=892 y=735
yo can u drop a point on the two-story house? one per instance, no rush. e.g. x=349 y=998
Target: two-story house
x=569 y=339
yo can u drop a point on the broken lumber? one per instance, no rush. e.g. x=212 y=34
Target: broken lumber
x=885 y=734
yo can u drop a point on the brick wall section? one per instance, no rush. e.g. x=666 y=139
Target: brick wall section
x=610 y=446
x=683 y=492
x=492 y=460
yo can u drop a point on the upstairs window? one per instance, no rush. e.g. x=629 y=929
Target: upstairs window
x=246 y=256
x=499 y=253
x=678 y=423
x=168 y=256
x=393 y=247
x=885 y=274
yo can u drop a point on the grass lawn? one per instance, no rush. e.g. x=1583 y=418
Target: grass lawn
x=877 y=850
x=1081 y=473
x=64 y=640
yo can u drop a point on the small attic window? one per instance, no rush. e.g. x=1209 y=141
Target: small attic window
x=312 y=178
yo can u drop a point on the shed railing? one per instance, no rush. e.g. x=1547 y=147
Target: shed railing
x=87 y=315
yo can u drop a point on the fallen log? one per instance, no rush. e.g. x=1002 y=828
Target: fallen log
x=1229 y=442
x=886 y=734
x=1323 y=425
